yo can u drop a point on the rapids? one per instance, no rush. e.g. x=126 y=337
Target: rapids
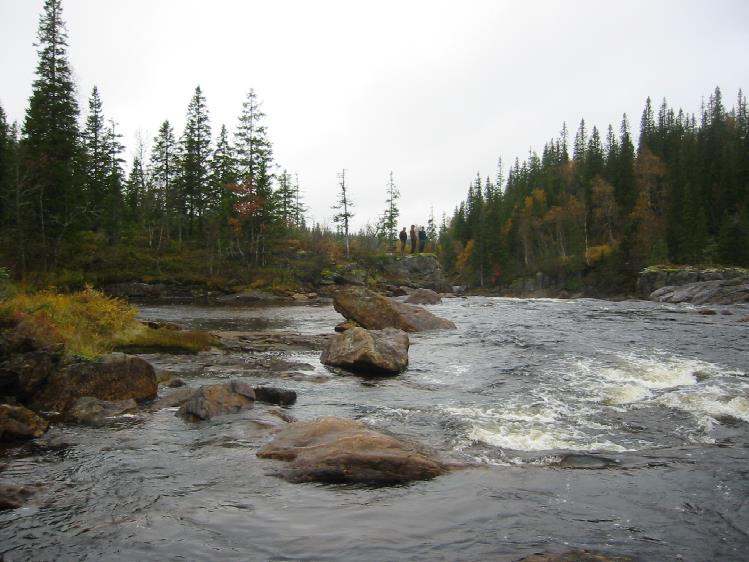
x=649 y=403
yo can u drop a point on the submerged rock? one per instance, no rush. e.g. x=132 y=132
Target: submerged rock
x=217 y=400
x=586 y=461
x=335 y=450
x=423 y=296
x=376 y=312
x=577 y=556
x=17 y=422
x=375 y=352
x=13 y=496
x=113 y=377
x=92 y=411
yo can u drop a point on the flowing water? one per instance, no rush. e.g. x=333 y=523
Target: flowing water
x=651 y=401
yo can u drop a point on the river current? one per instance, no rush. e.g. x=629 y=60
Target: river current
x=652 y=401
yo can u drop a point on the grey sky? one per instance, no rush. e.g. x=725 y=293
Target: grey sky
x=432 y=90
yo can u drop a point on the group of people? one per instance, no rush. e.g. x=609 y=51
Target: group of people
x=421 y=237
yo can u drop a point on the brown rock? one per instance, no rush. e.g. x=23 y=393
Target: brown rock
x=113 y=377
x=337 y=450
x=218 y=400
x=423 y=296
x=17 y=422
x=376 y=312
x=375 y=352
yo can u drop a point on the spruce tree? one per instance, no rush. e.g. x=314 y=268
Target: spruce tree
x=195 y=151
x=164 y=174
x=50 y=138
x=391 y=214
x=223 y=175
x=5 y=151
x=96 y=158
x=343 y=205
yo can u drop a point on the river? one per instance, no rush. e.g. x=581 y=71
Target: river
x=660 y=391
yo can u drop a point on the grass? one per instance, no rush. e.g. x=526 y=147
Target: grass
x=89 y=324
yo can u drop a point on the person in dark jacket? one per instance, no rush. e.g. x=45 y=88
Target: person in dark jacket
x=422 y=239
x=413 y=238
x=403 y=237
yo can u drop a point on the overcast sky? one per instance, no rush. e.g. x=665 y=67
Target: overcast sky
x=434 y=91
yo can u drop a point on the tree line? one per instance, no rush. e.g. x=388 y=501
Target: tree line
x=62 y=183
x=594 y=218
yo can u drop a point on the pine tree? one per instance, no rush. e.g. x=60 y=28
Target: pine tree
x=163 y=170
x=50 y=138
x=343 y=205
x=195 y=151
x=391 y=214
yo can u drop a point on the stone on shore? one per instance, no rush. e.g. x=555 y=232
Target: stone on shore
x=217 y=400
x=17 y=422
x=375 y=352
x=334 y=450
x=423 y=296
x=377 y=312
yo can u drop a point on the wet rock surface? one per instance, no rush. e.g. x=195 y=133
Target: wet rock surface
x=334 y=450
x=577 y=556
x=376 y=312
x=724 y=291
x=217 y=400
x=368 y=352
x=95 y=412
x=13 y=496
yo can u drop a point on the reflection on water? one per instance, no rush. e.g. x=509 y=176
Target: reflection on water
x=659 y=389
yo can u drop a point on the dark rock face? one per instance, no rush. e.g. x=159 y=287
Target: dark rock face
x=723 y=291
x=217 y=400
x=114 y=377
x=376 y=352
x=423 y=296
x=91 y=411
x=344 y=451
x=273 y=395
x=421 y=270
x=376 y=312
x=13 y=497
x=17 y=422
x=23 y=374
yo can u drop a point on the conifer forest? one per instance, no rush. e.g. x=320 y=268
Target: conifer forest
x=590 y=211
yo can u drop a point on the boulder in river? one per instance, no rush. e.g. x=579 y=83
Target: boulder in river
x=334 y=450
x=113 y=377
x=587 y=461
x=376 y=312
x=423 y=296
x=17 y=422
x=92 y=411
x=369 y=352
x=217 y=400
x=721 y=291
x=274 y=395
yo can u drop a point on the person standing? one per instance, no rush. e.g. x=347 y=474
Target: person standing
x=422 y=239
x=403 y=237
x=413 y=238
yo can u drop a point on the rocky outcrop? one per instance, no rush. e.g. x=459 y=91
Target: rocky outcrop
x=423 y=296
x=418 y=271
x=376 y=312
x=113 y=377
x=334 y=450
x=217 y=400
x=376 y=352
x=274 y=395
x=92 y=411
x=17 y=422
x=723 y=291
x=696 y=286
